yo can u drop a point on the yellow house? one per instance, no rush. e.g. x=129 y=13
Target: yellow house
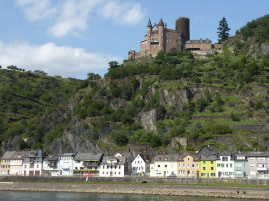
x=188 y=166
x=164 y=166
x=208 y=166
x=5 y=162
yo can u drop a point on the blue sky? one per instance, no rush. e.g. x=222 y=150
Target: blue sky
x=73 y=37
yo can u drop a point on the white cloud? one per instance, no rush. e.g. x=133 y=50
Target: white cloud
x=36 y=9
x=129 y=13
x=55 y=60
x=72 y=16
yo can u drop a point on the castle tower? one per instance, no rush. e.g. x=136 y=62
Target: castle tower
x=183 y=26
x=149 y=29
x=161 y=34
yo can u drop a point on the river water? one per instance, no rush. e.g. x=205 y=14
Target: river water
x=44 y=196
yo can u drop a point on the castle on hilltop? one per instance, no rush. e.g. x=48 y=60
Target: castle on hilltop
x=160 y=38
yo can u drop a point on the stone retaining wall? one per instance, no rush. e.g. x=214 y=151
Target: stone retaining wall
x=129 y=179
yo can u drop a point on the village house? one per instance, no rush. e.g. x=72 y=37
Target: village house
x=208 y=166
x=129 y=159
x=16 y=163
x=225 y=165
x=5 y=162
x=51 y=166
x=189 y=166
x=241 y=165
x=87 y=163
x=66 y=164
x=32 y=163
x=164 y=165
x=258 y=165
x=112 y=166
x=140 y=165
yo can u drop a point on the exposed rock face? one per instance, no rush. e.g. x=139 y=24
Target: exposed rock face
x=176 y=98
x=149 y=120
x=76 y=140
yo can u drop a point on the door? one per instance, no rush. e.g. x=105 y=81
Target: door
x=37 y=173
x=31 y=173
x=188 y=173
x=24 y=172
x=111 y=173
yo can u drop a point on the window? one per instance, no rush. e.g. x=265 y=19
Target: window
x=165 y=166
x=212 y=168
x=204 y=168
x=203 y=162
x=212 y=162
x=159 y=165
x=183 y=165
x=225 y=158
x=179 y=165
x=231 y=165
x=238 y=165
x=222 y=165
x=119 y=166
x=192 y=165
x=212 y=174
x=203 y=174
x=197 y=165
x=188 y=165
x=227 y=165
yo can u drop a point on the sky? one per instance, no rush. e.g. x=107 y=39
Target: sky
x=71 y=38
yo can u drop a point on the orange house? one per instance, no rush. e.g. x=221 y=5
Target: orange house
x=188 y=166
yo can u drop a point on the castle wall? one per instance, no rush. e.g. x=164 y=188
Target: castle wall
x=173 y=41
x=199 y=46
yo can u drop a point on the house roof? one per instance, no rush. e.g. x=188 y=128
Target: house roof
x=120 y=160
x=51 y=158
x=8 y=155
x=19 y=155
x=219 y=154
x=194 y=156
x=170 y=158
x=205 y=151
x=208 y=157
x=33 y=154
x=145 y=158
x=68 y=154
x=130 y=157
x=257 y=154
x=88 y=157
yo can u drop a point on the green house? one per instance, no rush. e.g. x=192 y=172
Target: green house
x=241 y=165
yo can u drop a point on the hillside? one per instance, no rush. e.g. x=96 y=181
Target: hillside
x=149 y=104
x=24 y=98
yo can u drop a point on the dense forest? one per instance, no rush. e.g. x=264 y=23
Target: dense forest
x=222 y=100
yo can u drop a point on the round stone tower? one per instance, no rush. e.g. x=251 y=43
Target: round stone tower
x=183 y=26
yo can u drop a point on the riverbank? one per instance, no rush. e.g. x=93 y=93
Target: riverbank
x=143 y=189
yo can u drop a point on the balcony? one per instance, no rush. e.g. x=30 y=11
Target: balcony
x=261 y=168
x=90 y=165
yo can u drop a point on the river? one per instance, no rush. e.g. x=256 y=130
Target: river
x=45 y=196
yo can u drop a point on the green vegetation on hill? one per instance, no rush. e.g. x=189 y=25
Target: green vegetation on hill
x=24 y=98
x=206 y=101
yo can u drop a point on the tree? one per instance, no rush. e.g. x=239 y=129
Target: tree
x=113 y=64
x=223 y=30
x=93 y=76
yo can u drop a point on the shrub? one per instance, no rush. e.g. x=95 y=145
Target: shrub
x=120 y=139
